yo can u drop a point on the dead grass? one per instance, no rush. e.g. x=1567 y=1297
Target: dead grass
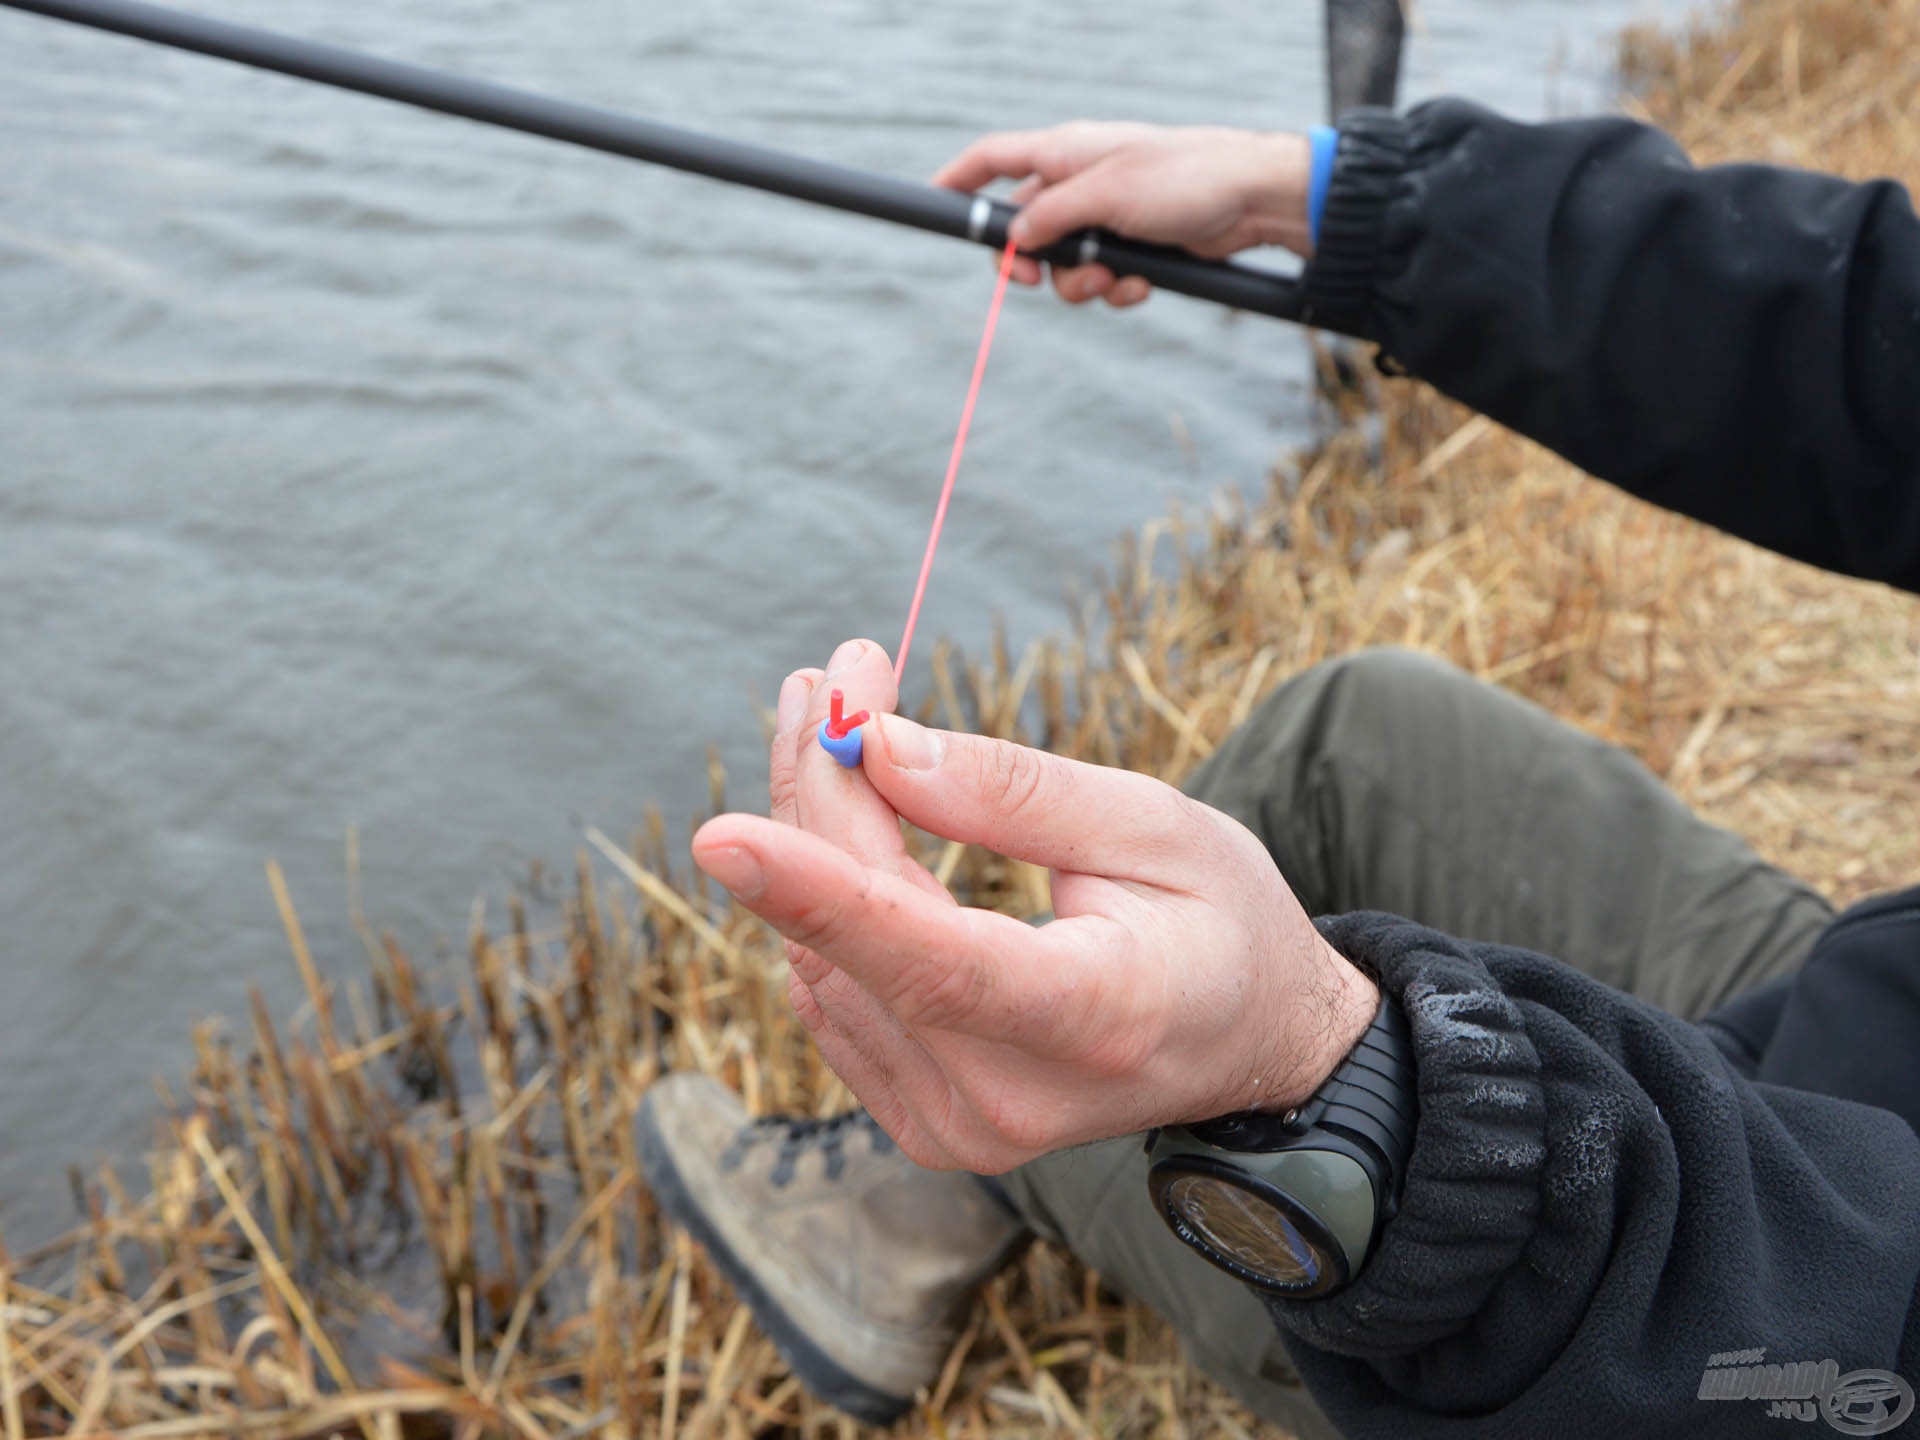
x=414 y=1209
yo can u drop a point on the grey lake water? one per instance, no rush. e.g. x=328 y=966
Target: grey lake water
x=365 y=469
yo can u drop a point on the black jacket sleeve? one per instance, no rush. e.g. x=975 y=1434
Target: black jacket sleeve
x=1740 y=344
x=1597 y=1204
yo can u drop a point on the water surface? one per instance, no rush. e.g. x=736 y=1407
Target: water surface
x=365 y=468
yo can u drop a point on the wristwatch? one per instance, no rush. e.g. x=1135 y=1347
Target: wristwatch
x=1292 y=1202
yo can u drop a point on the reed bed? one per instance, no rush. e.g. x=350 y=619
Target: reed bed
x=413 y=1208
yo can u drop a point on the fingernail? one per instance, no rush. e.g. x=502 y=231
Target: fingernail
x=911 y=746
x=737 y=868
x=1020 y=231
x=846 y=657
x=794 y=694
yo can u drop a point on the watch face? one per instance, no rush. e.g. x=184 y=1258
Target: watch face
x=1246 y=1230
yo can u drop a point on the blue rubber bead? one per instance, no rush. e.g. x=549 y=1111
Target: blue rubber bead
x=846 y=749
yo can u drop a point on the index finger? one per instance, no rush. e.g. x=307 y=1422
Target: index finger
x=935 y=965
x=1004 y=155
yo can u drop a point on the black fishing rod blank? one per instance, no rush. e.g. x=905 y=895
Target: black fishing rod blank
x=978 y=218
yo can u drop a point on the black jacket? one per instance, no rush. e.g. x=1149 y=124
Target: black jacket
x=1605 y=1203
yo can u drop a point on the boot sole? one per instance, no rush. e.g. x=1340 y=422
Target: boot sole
x=825 y=1379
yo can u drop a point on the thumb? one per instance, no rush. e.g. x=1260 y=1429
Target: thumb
x=1032 y=805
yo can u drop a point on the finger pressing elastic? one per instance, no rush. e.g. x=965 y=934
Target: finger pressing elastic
x=828 y=799
x=862 y=672
x=1026 y=270
x=1039 y=807
x=795 y=695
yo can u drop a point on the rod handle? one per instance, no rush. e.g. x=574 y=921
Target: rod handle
x=1164 y=266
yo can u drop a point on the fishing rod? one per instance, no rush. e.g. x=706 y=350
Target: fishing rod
x=978 y=218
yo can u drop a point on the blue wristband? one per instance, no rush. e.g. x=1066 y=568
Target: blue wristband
x=1324 y=141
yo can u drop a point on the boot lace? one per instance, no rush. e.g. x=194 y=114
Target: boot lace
x=801 y=1135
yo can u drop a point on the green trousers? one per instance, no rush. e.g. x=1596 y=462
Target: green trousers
x=1392 y=781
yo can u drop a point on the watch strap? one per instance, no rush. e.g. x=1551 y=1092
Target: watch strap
x=1370 y=1100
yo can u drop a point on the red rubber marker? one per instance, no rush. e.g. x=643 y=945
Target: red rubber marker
x=840 y=732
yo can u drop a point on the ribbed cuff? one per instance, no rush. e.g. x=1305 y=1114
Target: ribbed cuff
x=1367 y=167
x=1474 y=1179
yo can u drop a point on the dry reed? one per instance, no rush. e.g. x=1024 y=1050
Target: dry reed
x=416 y=1210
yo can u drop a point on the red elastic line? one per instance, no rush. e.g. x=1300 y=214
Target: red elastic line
x=953 y=462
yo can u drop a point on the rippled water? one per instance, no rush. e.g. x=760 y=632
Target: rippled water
x=363 y=468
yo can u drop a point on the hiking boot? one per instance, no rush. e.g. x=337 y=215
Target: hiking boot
x=856 y=1263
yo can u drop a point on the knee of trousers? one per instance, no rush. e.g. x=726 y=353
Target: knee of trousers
x=1338 y=711
x=1383 y=676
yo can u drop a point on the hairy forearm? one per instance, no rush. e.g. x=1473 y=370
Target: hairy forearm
x=1739 y=344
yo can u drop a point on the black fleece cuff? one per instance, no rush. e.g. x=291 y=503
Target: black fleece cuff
x=1367 y=168
x=1473 y=1190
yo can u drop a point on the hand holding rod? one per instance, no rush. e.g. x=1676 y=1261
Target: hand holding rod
x=1165 y=266
x=924 y=207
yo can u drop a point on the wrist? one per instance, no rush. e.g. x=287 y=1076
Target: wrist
x=1304 y=1033
x=1281 y=175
